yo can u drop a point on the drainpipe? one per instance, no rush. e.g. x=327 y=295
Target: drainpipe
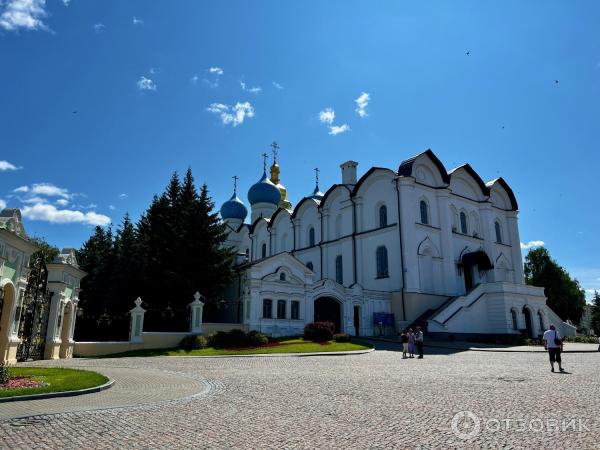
x=401 y=249
x=353 y=238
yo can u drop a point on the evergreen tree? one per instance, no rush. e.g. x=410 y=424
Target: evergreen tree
x=124 y=287
x=595 y=325
x=565 y=296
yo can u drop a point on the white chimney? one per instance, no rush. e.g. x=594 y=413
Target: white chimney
x=349 y=172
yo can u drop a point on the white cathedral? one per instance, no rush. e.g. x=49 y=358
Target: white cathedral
x=426 y=245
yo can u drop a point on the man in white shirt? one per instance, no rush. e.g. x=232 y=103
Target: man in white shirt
x=554 y=344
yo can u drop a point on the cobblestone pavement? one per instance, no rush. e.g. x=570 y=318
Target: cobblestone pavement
x=375 y=400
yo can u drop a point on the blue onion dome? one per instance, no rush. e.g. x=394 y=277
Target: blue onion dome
x=264 y=192
x=234 y=208
x=317 y=194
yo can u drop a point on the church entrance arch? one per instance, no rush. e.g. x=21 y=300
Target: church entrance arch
x=328 y=309
x=528 y=322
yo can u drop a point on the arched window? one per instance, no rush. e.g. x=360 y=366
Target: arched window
x=309 y=265
x=382 y=262
x=424 y=212
x=311 y=237
x=282 y=276
x=541 y=318
x=498 y=232
x=383 y=216
x=464 y=226
x=513 y=313
x=339 y=269
x=263 y=250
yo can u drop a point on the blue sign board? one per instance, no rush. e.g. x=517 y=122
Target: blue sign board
x=385 y=319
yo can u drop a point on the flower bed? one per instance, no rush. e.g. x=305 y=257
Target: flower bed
x=23 y=382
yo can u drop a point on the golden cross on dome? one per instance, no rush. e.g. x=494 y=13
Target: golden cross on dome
x=265 y=156
x=275 y=150
x=235 y=180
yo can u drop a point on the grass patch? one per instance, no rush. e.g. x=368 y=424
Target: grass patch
x=59 y=380
x=297 y=345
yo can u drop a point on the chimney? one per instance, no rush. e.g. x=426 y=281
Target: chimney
x=349 y=172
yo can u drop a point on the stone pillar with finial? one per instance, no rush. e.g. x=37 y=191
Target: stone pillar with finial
x=196 y=311
x=136 y=327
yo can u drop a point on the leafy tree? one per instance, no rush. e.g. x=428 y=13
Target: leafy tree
x=565 y=295
x=595 y=325
x=46 y=250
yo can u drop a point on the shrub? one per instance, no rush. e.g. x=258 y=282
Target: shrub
x=257 y=339
x=341 y=337
x=319 y=331
x=193 y=342
x=582 y=339
x=4 y=372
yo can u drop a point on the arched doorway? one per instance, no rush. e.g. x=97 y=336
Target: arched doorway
x=328 y=309
x=471 y=261
x=528 y=322
x=356 y=320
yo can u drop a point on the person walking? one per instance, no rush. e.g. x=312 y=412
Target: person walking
x=411 y=343
x=553 y=343
x=404 y=340
x=419 y=342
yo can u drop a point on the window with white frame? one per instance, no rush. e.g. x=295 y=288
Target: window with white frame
x=267 y=308
x=464 y=223
x=383 y=217
x=424 y=209
x=382 y=262
x=295 y=313
x=311 y=237
x=281 y=306
x=498 y=232
x=339 y=269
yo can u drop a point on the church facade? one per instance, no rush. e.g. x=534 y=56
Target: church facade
x=430 y=246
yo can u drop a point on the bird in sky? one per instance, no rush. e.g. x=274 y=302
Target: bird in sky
x=468 y=52
x=555 y=81
x=74 y=112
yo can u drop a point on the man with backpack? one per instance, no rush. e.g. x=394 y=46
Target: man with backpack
x=554 y=344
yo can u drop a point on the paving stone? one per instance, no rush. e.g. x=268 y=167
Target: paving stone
x=374 y=401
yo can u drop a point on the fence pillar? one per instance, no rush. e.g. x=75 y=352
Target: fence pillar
x=196 y=310
x=137 y=322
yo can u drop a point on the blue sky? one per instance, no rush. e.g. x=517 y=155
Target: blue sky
x=100 y=101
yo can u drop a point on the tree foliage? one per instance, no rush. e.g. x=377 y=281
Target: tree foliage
x=565 y=296
x=47 y=251
x=175 y=249
x=595 y=325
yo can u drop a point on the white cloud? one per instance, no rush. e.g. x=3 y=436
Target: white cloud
x=5 y=165
x=327 y=116
x=123 y=196
x=234 y=115
x=335 y=129
x=137 y=21
x=99 y=27
x=2 y=204
x=277 y=85
x=361 y=104
x=66 y=2
x=111 y=207
x=49 y=213
x=62 y=202
x=146 y=84
x=194 y=79
x=35 y=200
x=253 y=90
x=216 y=70
x=47 y=189
x=532 y=244
x=25 y=14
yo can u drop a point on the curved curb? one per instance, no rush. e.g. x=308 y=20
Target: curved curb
x=18 y=398
x=275 y=355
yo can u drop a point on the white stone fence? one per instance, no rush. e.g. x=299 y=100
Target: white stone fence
x=145 y=340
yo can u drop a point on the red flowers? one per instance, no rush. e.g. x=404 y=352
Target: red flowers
x=22 y=382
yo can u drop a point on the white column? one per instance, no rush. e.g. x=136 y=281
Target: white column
x=407 y=228
x=515 y=243
x=136 y=327
x=489 y=236
x=196 y=310
x=448 y=263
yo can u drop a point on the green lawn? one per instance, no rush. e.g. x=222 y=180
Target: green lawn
x=288 y=346
x=59 y=380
